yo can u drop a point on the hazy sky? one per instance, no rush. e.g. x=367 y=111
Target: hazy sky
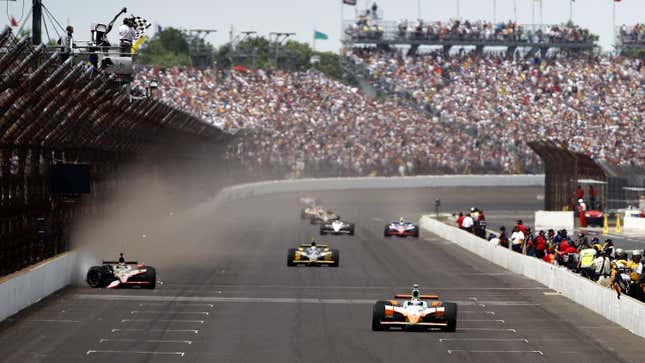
x=301 y=17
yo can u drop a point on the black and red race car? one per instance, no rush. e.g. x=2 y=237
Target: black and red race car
x=401 y=228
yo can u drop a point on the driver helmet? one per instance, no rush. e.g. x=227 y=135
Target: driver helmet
x=121 y=259
x=401 y=220
x=313 y=242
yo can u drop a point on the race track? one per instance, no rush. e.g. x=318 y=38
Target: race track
x=228 y=295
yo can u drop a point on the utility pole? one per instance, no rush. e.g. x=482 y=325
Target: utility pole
x=199 y=57
x=278 y=39
x=37 y=21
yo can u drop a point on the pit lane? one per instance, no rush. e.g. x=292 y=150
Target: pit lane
x=229 y=296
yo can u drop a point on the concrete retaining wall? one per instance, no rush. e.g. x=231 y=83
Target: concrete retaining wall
x=33 y=284
x=627 y=312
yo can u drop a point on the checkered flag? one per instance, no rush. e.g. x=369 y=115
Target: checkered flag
x=140 y=25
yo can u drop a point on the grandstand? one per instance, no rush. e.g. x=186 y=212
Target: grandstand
x=464 y=33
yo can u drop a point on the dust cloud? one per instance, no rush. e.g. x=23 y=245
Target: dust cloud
x=158 y=210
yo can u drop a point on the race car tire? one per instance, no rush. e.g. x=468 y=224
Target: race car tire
x=97 y=276
x=312 y=220
x=416 y=232
x=302 y=214
x=451 y=317
x=322 y=231
x=351 y=229
x=385 y=234
x=378 y=314
x=291 y=255
x=335 y=255
x=151 y=277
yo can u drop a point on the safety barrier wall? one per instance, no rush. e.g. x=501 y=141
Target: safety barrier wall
x=424 y=181
x=626 y=312
x=35 y=283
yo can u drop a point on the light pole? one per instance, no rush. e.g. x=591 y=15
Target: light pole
x=418 y=9
x=494 y=11
x=458 y=10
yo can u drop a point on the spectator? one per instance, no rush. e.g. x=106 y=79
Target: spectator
x=520 y=226
x=517 y=239
x=585 y=262
x=529 y=243
x=580 y=193
x=592 y=197
x=540 y=244
x=468 y=223
x=602 y=269
x=609 y=248
x=503 y=238
x=460 y=220
x=481 y=225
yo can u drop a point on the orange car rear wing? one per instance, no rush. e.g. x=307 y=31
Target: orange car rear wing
x=421 y=297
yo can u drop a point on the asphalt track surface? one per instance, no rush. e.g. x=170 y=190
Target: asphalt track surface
x=228 y=296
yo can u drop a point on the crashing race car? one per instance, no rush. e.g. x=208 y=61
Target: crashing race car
x=325 y=216
x=112 y=274
x=337 y=227
x=414 y=313
x=401 y=228
x=313 y=255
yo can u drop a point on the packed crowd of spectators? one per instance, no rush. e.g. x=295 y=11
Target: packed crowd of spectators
x=592 y=104
x=470 y=114
x=309 y=124
x=633 y=34
x=465 y=30
x=603 y=263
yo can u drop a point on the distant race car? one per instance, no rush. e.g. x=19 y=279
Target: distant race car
x=313 y=255
x=337 y=227
x=112 y=274
x=416 y=312
x=324 y=216
x=308 y=212
x=594 y=218
x=401 y=228
x=308 y=201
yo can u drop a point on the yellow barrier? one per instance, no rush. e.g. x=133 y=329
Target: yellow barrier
x=605 y=224
x=618 y=229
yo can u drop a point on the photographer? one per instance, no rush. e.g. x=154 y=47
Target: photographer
x=127 y=35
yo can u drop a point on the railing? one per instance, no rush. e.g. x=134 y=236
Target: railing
x=630 y=38
x=391 y=32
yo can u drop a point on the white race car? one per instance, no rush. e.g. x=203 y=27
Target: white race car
x=337 y=227
x=112 y=274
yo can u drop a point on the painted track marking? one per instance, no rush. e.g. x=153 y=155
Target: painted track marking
x=107 y=340
x=181 y=354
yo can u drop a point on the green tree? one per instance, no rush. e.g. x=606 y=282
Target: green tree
x=260 y=53
x=167 y=48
